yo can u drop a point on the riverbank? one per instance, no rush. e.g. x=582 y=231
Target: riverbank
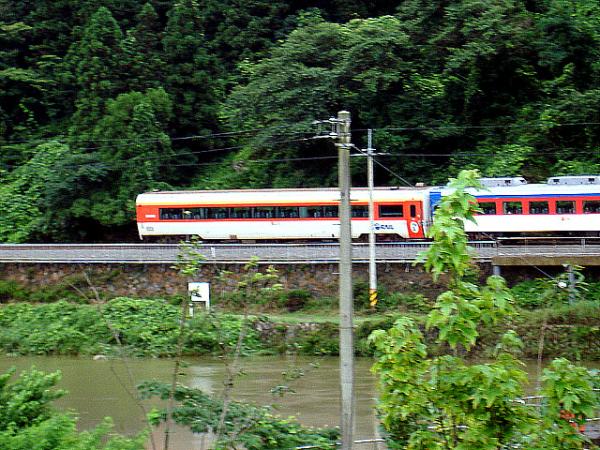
x=150 y=327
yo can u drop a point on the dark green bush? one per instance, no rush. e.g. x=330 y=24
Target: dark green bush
x=10 y=290
x=321 y=304
x=571 y=331
x=322 y=341
x=404 y=301
x=360 y=293
x=363 y=348
x=528 y=294
x=543 y=292
x=295 y=299
x=55 y=293
x=142 y=326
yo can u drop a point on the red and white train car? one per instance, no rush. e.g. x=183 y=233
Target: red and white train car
x=269 y=214
x=563 y=206
x=510 y=207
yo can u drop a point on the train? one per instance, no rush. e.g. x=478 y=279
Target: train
x=563 y=206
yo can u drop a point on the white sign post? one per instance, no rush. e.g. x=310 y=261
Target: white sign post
x=200 y=292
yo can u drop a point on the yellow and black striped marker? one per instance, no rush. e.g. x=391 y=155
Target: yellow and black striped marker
x=372 y=297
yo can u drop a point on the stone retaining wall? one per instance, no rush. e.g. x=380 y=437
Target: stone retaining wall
x=155 y=280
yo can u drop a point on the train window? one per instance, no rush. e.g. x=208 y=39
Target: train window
x=313 y=211
x=217 y=213
x=565 y=207
x=264 y=212
x=287 y=212
x=240 y=213
x=171 y=213
x=591 y=207
x=413 y=211
x=512 y=207
x=488 y=208
x=539 y=208
x=391 y=210
x=303 y=211
x=360 y=211
x=330 y=211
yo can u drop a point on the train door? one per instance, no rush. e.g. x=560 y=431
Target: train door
x=414 y=219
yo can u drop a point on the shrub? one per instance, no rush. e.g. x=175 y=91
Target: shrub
x=404 y=301
x=144 y=327
x=296 y=299
x=527 y=294
x=28 y=421
x=10 y=290
x=322 y=341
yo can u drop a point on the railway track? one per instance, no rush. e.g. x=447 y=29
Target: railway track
x=402 y=252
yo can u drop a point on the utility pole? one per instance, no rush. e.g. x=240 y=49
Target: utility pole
x=572 y=284
x=340 y=132
x=372 y=262
x=345 y=286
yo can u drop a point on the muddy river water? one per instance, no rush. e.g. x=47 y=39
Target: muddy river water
x=104 y=388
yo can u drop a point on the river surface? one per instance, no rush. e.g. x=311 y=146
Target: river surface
x=106 y=388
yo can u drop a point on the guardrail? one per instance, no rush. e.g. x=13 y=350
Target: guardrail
x=393 y=252
x=218 y=253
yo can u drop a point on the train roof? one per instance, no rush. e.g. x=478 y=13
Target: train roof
x=274 y=196
x=528 y=190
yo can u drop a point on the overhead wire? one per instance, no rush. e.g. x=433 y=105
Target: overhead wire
x=387 y=169
x=225 y=134
x=132 y=162
x=484 y=127
x=240 y=133
x=283 y=126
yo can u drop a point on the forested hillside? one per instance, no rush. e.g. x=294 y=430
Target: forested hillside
x=101 y=100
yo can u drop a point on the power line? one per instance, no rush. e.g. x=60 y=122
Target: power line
x=387 y=169
x=482 y=127
x=226 y=134
x=276 y=127
x=132 y=162
x=465 y=154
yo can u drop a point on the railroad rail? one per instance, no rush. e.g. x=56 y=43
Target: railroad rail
x=399 y=252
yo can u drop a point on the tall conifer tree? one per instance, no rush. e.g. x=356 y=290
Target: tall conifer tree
x=96 y=65
x=193 y=79
x=143 y=51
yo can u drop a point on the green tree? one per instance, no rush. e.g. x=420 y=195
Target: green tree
x=254 y=428
x=28 y=421
x=135 y=157
x=447 y=403
x=95 y=61
x=237 y=30
x=142 y=49
x=317 y=69
x=193 y=76
x=138 y=154
x=22 y=192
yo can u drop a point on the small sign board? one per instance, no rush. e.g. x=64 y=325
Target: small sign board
x=200 y=292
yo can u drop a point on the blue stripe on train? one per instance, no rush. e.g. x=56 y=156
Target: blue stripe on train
x=434 y=198
x=537 y=195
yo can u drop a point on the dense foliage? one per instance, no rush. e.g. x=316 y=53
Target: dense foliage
x=143 y=327
x=253 y=427
x=29 y=422
x=100 y=101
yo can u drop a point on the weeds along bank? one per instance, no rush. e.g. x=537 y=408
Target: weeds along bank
x=150 y=327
